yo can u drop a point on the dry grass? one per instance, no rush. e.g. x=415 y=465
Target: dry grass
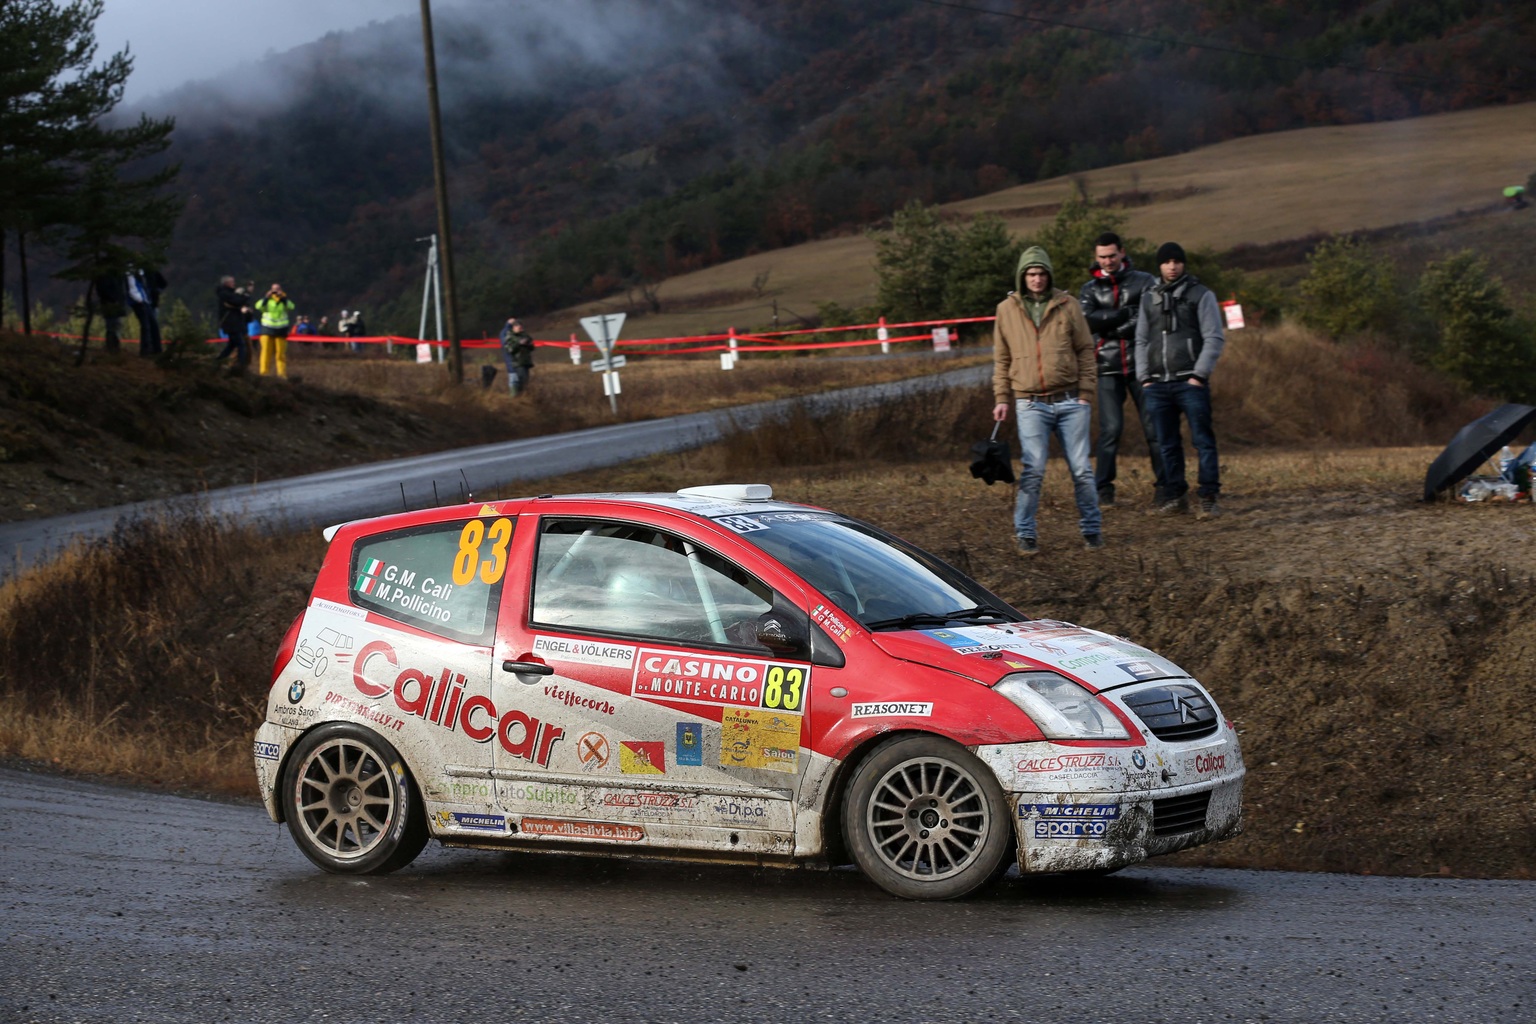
x=147 y=655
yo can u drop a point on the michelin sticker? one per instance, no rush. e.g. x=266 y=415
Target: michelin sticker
x=1070 y=821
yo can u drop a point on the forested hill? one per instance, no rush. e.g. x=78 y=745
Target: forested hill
x=595 y=144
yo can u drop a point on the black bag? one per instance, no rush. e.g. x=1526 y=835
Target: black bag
x=991 y=460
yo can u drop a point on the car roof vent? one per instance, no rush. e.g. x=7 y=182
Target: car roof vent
x=730 y=492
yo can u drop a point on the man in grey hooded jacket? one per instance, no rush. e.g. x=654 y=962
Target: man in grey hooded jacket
x=1179 y=337
x=1043 y=366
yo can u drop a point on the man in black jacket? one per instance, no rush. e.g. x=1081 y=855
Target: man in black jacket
x=234 y=311
x=1110 y=301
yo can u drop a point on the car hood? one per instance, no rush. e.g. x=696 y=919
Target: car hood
x=988 y=653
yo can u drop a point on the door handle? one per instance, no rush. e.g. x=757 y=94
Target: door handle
x=528 y=668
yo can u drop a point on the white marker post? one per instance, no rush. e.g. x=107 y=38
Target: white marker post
x=884 y=336
x=604 y=331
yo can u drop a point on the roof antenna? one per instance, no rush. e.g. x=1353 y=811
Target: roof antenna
x=436 y=501
x=468 y=494
x=403 y=506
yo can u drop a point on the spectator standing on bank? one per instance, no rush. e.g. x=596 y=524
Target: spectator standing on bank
x=143 y=288
x=276 y=311
x=1111 y=301
x=302 y=329
x=517 y=350
x=1179 y=337
x=234 y=308
x=1043 y=365
x=111 y=291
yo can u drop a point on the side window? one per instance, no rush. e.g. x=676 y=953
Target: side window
x=625 y=578
x=445 y=578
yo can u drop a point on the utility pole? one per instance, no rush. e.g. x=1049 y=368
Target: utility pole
x=440 y=177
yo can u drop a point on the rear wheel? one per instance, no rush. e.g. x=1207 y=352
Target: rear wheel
x=926 y=820
x=349 y=802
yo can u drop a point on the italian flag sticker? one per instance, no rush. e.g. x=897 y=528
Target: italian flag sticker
x=368 y=579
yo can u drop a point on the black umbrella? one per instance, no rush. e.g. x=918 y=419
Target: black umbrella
x=1472 y=446
x=991 y=460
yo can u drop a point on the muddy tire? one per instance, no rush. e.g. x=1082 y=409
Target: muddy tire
x=926 y=820
x=349 y=802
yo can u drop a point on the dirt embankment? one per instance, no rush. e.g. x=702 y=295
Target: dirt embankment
x=1375 y=653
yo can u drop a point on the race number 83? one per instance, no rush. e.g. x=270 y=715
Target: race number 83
x=784 y=688
x=492 y=563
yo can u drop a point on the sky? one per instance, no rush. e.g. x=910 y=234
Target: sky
x=176 y=41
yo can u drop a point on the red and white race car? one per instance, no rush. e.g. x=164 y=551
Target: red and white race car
x=714 y=674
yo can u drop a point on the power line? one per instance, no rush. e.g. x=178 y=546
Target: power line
x=1186 y=43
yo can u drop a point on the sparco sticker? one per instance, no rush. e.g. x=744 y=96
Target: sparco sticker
x=707 y=679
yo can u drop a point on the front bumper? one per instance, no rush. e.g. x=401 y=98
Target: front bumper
x=1078 y=808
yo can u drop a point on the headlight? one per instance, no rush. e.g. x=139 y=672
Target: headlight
x=1062 y=709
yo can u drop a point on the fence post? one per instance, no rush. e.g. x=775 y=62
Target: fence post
x=575 y=349
x=728 y=359
x=884 y=336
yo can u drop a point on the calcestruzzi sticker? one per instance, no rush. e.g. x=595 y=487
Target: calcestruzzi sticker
x=753 y=738
x=1096 y=658
x=721 y=680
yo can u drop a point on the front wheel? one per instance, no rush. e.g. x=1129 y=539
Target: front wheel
x=926 y=820
x=350 y=804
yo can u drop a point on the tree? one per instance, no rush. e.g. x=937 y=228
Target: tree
x=61 y=169
x=1070 y=236
x=1480 y=342
x=911 y=260
x=928 y=270
x=1347 y=289
x=981 y=271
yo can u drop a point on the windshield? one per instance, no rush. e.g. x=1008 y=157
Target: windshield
x=882 y=582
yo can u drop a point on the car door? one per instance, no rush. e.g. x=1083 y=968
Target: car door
x=684 y=725
x=414 y=646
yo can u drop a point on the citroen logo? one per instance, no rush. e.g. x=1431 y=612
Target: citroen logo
x=1187 y=709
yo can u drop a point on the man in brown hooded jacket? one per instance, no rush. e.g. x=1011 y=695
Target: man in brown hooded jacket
x=1043 y=365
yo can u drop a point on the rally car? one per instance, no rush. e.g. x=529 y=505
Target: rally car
x=715 y=674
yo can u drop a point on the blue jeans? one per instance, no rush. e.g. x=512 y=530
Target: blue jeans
x=1114 y=389
x=1069 y=421
x=1165 y=403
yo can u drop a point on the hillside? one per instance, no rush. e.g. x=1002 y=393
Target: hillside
x=1437 y=175
x=609 y=142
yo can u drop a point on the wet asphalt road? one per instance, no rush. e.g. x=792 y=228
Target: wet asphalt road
x=122 y=905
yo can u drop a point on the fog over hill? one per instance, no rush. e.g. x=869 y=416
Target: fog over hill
x=596 y=144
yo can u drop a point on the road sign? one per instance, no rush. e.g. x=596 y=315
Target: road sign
x=603 y=330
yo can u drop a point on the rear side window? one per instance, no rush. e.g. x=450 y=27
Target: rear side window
x=444 y=578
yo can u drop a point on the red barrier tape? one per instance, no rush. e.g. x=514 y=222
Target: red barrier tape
x=696 y=344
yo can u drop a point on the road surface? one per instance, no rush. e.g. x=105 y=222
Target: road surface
x=122 y=905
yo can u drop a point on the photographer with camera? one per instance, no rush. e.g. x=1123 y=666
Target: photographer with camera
x=276 y=310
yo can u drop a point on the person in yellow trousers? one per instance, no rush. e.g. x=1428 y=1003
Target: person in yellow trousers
x=276 y=311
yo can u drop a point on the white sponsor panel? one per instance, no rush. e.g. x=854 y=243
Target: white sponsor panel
x=893 y=709
x=585 y=652
x=321 y=604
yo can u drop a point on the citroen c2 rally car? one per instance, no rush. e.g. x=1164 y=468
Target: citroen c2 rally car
x=714 y=674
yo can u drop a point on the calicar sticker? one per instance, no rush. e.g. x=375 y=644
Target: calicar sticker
x=707 y=679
